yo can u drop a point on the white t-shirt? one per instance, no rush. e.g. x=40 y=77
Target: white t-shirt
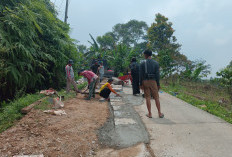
x=69 y=71
x=101 y=70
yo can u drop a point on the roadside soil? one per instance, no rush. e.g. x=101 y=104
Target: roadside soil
x=74 y=134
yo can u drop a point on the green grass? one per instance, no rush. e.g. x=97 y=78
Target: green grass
x=11 y=112
x=47 y=103
x=44 y=105
x=202 y=101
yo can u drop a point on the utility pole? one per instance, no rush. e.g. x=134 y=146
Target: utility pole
x=66 y=12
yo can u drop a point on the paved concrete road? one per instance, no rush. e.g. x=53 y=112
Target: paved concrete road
x=186 y=131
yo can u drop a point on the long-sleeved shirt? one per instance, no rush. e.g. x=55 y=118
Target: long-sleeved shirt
x=109 y=86
x=94 y=68
x=89 y=75
x=152 y=68
x=134 y=68
x=69 y=72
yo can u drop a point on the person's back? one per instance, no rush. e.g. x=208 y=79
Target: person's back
x=103 y=86
x=149 y=70
x=149 y=82
x=94 y=68
x=134 y=68
x=89 y=75
x=106 y=89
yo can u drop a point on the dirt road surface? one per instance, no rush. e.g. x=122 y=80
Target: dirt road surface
x=71 y=135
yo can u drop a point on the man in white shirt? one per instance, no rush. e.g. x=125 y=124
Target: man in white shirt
x=70 y=77
x=101 y=70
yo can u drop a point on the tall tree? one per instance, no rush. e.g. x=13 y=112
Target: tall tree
x=130 y=33
x=107 y=41
x=166 y=63
x=162 y=41
x=160 y=35
x=82 y=48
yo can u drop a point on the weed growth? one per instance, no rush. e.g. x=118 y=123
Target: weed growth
x=207 y=97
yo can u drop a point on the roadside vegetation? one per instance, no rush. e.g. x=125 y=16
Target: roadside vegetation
x=213 y=95
x=35 y=47
x=11 y=111
x=204 y=95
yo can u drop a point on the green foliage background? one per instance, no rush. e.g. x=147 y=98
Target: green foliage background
x=34 y=47
x=226 y=79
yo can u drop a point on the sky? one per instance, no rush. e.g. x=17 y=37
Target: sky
x=202 y=27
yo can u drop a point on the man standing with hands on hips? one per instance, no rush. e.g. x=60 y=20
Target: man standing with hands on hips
x=149 y=82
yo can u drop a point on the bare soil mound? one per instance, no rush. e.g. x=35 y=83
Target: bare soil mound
x=74 y=134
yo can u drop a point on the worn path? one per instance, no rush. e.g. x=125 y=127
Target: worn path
x=124 y=132
x=186 y=131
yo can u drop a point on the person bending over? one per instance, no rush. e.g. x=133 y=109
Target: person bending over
x=106 y=89
x=91 y=77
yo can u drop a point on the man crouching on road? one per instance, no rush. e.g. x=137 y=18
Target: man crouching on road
x=149 y=82
x=92 y=78
x=70 y=77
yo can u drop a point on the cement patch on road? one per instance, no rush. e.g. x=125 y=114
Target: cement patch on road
x=116 y=103
x=124 y=121
x=134 y=100
x=139 y=150
x=117 y=113
x=116 y=108
x=124 y=127
x=116 y=100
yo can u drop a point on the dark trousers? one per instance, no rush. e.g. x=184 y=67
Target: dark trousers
x=135 y=84
x=105 y=93
x=92 y=89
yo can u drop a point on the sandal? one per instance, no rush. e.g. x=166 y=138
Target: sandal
x=161 y=116
x=148 y=116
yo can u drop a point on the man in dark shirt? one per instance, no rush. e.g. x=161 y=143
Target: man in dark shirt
x=149 y=82
x=134 y=66
x=94 y=68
